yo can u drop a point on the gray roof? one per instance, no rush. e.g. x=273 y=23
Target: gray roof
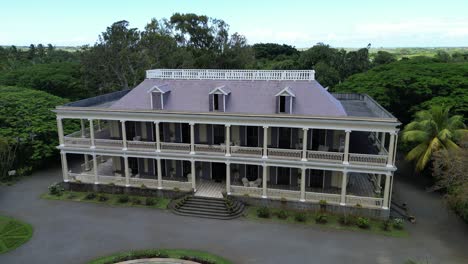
x=251 y=97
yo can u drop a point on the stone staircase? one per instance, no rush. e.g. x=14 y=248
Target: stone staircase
x=208 y=207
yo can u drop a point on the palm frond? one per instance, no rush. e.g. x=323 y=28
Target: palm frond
x=444 y=134
x=417 y=151
x=434 y=145
x=415 y=136
x=450 y=145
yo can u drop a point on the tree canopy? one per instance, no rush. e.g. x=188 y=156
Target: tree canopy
x=407 y=86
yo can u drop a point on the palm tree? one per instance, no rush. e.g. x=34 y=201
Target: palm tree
x=432 y=130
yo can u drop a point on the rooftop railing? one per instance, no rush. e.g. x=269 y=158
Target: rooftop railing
x=197 y=74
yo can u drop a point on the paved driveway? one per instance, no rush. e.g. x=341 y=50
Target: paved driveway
x=67 y=232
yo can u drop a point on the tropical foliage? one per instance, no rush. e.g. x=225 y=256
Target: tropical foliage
x=449 y=170
x=26 y=119
x=408 y=86
x=433 y=130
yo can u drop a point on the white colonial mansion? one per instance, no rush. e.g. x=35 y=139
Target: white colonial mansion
x=258 y=134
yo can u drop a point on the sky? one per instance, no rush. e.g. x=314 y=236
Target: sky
x=397 y=23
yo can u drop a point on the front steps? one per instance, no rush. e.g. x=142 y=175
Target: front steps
x=208 y=207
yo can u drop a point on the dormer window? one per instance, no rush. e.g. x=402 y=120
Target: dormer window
x=284 y=101
x=158 y=96
x=218 y=99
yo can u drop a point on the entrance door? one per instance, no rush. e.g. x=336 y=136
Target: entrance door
x=284 y=137
x=218 y=171
x=283 y=176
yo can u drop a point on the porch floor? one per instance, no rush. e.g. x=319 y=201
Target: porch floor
x=209 y=188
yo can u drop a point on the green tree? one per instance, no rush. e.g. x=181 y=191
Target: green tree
x=26 y=118
x=383 y=57
x=433 y=130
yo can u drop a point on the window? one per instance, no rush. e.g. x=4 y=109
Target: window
x=282 y=104
x=216 y=102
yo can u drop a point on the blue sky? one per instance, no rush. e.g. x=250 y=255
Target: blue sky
x=397 y=23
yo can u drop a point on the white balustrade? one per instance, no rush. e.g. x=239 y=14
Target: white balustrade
x=285 y=153
x=144 y=145
x=77 y=141
x=177 y=184
x=120 y=181
x=246 y=151
x=108 y=143
x=325 y=156
x=352 y=200
x=209 y=148
x=317 y=197
x=169 y=146
x=84 y=178
x=197 y=74
x=138 y=182
x=242 y=190
x=367 y=158
x=287 y=194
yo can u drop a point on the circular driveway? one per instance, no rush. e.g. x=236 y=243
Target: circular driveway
x=72 y=232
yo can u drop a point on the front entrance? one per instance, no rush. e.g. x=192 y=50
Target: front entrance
x=218 y=171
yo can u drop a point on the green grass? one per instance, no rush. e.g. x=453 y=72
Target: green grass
x=160 y=203
x=375 y=225
x=13 y=233
x=166 y=253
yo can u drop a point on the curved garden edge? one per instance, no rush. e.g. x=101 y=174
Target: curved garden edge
x=13 y=233
x=187 y=254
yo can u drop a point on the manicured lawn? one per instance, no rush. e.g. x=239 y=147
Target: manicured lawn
x=110 y=199
x=375 y=226
x=13 y=233
x=195 y=255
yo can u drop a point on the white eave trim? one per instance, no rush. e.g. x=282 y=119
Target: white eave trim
x=286 y=92
x=220 y=90
x=158 y=89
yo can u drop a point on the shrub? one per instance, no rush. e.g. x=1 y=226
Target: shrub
x=282 y=214
x=246 y=195
x=263 y=212
x=71 y=196
x=300 y=217
x=24 y=171
x=102 y=198
x=56 y=189
x=363 y=222
x=136 y=201
x=123 y=199
x=398 y=223
x=176 y=189
x=323 y=205
x=143 y=186
x=358 y=205
x=150 y=201
x=283 y=200
x=323 y=202
x=90 y=196
x=386 y=225
x=321 y=219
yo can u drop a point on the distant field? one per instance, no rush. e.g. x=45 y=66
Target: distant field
x=412 y=51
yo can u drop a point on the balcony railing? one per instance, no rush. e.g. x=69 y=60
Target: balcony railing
x=235 y=151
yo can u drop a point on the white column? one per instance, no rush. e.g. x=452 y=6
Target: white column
x=265 y=142
x=60 y=131
x=91 y=133
x=304 y=144
x=395 y=148
x=124 y=135
x=228 y=140
x=382 y=142
x=95 y=169
x=344 y=180
x=194 y=184
x=386 y=191
x=264 y=182
x=346 y=147
x=158 y=137
x=63 y=156
x=158 y=161
x=127 y=172
x=391 y=148
x=303 y=183
x=83 y=128
x=228 y=178
x=192 y=138
x=99 y=125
